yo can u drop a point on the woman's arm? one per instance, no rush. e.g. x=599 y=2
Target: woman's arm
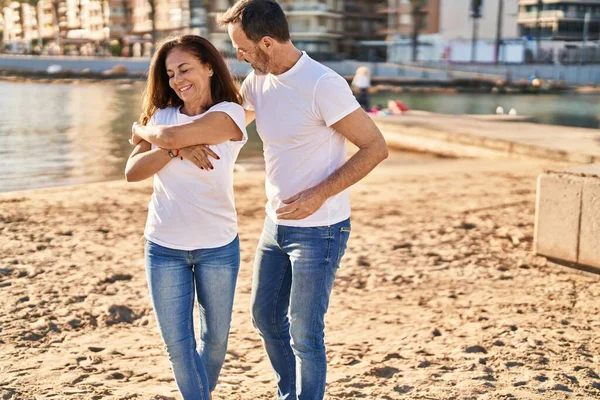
x=213 y=128
x=145 y=162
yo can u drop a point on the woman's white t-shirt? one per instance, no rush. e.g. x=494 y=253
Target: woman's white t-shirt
x=193 y=208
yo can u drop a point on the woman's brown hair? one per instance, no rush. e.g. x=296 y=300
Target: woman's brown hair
x=158 y=93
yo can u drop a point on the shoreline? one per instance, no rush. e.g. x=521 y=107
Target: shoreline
x=380 y=84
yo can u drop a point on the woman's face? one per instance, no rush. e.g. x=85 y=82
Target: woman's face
x=188 y=77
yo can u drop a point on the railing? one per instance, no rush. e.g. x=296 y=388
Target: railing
x=553 y=14
x=306 y=7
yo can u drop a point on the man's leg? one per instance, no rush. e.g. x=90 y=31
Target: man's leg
x=269 y=308
x=315 y=254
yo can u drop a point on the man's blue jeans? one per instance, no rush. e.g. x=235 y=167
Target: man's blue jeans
x=174 y=277
x=294 y=273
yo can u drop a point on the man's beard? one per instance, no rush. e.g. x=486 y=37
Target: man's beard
x=261 y=63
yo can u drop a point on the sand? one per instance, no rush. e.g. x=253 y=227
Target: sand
x=438 y=297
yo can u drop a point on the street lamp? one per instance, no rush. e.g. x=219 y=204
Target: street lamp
x=540 y=6
x=475 y=14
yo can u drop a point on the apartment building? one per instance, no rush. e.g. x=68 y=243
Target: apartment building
x=12 y=23
x=559 y=20
x=326 y=29
x=24 y=23
x=446 y=26
x=365 y=27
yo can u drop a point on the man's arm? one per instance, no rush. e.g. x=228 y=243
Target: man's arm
x=213 y=128
x=359 y=129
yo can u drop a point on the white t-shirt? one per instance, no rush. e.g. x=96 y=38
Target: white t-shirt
x=193 y=208
x=361 y=81
x=294 y=114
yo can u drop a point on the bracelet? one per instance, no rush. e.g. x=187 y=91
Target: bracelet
x=174 y=155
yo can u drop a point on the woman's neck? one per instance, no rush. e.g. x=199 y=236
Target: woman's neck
x=196 y=107
x=193 y=109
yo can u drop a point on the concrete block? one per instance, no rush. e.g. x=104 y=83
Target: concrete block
x=589 y=234
x=558 y=212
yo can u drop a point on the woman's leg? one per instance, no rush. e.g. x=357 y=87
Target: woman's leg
x=215 y=272
x=171 y=284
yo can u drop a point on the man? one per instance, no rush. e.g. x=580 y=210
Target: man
x=304 y=113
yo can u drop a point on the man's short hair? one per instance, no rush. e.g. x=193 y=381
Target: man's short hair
x=259 y=18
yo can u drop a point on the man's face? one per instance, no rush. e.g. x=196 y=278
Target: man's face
x=247 y=50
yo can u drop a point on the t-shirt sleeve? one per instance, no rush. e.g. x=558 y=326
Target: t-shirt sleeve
x=152 y=120
x=246 y=92
x=334 y=99
x=237 y=114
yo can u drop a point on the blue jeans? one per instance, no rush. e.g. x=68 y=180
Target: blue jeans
x=294 y=273
x=174 y=277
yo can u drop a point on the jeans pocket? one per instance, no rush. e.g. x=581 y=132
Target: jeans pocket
x=344 y=235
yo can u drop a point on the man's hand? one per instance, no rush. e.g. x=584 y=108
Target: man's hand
x=199 y=155
x=302 y=205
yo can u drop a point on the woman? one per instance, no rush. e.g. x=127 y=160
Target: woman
x=191 y=230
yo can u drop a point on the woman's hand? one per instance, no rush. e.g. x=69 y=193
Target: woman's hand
x=199 y=155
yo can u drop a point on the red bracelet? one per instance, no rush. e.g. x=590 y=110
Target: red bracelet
x=177 y=152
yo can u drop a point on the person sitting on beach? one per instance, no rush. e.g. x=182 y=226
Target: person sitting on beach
x=192 y=244
x=362 y=82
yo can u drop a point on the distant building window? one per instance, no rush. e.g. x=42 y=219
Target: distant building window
x=406 y=19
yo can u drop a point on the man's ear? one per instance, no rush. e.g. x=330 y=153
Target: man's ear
x=267 y=43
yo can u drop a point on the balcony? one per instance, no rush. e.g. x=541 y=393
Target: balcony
x=552 y=15
x=316 y=9
x=319 y=31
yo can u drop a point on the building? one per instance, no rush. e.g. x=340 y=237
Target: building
x=315 y=25
x=559 y=20
x=326 y=29
x=447 y=28
x=364 y=29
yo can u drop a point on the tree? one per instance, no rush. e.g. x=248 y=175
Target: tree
x=417 y=12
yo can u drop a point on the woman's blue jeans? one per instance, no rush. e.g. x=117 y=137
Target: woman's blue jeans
x=294 y=273
x=175 y=277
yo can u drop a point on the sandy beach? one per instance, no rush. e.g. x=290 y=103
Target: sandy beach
x=438 y=296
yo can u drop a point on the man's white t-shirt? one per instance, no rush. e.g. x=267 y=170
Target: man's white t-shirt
x=193 y=208
x=294 y=114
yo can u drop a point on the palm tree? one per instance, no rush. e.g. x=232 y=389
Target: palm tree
x=417 y=11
